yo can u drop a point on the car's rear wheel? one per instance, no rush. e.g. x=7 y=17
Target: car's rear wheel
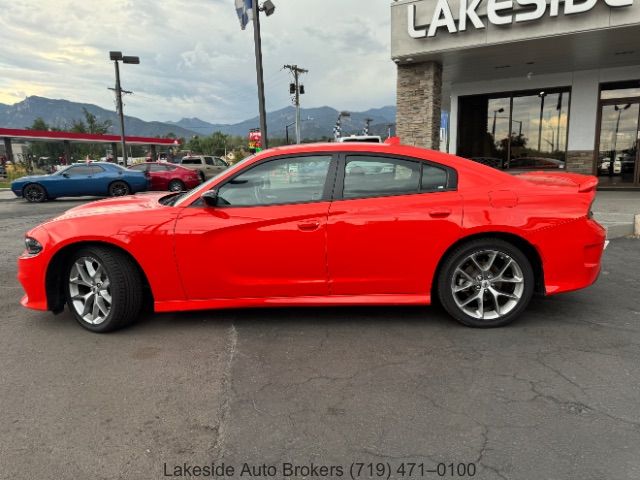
x=103 y=289
x=34 y=193
x=119 y=189
x=176 y=186
x=486 y=283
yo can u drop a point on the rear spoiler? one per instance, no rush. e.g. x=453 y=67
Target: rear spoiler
x=583 y=183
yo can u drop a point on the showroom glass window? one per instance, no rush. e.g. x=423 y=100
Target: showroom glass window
x=278 y=182
x=516 y=130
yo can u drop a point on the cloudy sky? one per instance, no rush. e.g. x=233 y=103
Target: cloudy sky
x=196 y=62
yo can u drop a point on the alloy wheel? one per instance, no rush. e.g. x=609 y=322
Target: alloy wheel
x=487 y=284
x=119 y=189
x=34 y=193
x=176 y=186
x=90 y=290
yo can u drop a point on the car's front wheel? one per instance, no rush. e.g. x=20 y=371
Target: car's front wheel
x=103 y=289
x=34 y=193
x=486 y=283
x=119 y=189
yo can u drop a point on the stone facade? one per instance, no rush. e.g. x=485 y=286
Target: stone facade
x=419 y=102
x=580 y=161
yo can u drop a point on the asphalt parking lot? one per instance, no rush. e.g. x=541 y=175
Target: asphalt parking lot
x=555 y=396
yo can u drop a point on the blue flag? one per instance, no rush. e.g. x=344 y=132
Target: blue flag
x=244 y=8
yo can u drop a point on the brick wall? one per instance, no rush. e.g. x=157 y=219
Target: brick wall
x=580 y=161
x=419 y=103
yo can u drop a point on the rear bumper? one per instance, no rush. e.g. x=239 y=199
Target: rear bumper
x=571 y=255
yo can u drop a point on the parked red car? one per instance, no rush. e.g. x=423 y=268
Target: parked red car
x=323 y=224
x=166 y=176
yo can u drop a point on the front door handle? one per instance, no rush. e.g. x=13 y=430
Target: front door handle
x=309 y=226
x=440 y=212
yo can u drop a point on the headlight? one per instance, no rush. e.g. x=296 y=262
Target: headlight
x=33 y=246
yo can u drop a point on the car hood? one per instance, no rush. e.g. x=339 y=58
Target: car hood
x=31 y=178
x=119 y=205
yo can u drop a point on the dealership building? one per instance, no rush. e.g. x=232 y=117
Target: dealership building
x=523 y=84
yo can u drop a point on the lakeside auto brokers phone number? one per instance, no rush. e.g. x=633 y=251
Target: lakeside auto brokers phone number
x=355 y=471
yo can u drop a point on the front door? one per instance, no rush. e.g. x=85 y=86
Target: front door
x=617 y=163
x=265 y=238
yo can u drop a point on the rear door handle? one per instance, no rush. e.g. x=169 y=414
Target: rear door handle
x=440 y=212
x=309 y=226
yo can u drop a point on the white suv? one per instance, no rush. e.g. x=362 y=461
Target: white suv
x=206 y=166
x=361 y=138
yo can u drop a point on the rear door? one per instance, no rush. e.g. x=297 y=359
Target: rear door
x=390 y=223
x=212 y=167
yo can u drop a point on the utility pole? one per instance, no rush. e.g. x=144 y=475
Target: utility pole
x=367 y=122
x=296 y=89
x=117 y=57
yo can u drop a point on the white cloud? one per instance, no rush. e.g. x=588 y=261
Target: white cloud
x=195 y=60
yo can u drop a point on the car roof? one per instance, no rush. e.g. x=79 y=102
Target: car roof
x=477 y=169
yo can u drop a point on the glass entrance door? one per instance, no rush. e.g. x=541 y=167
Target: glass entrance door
x=617 y=163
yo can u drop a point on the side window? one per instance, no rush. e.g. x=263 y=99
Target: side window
x=378 y=176
x=434 y=178
x=282 y=181
x=208 y=160
x=190 y=161
x=154 y=167
x=139 y=168
x=219 y=162
x=95 y=169
x=79 y=171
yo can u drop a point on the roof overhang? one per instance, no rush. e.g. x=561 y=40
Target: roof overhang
x=56 y=136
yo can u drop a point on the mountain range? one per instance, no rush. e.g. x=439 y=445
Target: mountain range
x=317 y=122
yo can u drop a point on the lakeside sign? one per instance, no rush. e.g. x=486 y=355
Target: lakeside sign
x=499 y=12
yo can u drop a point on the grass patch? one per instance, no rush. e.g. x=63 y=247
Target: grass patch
x=5 y=184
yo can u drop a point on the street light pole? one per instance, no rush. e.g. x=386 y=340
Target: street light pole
x=260 y=76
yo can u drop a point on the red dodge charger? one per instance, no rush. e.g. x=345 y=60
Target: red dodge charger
x=166 y=176
x=323 y=224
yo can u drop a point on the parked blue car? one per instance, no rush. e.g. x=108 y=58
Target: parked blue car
x=98 y=179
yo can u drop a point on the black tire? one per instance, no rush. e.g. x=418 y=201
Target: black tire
x=119 y=189
x=125 y=288
x=34 y=193
x=201 y=175
x=176 y=186
x=449 y=277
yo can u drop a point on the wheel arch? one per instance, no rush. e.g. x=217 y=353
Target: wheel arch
x=54 y=277
x=528 y=249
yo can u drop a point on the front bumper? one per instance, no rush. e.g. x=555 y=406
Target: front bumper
x=32 y=271
x=31 y=275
